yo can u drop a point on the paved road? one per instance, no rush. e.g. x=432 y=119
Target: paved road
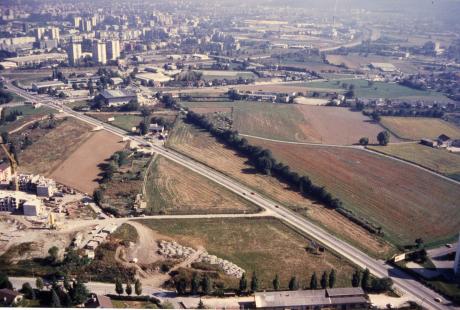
x=402 y=281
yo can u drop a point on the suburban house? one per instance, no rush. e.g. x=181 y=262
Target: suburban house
x=156 y=128
x=443 y=141
x=99 y=301
x=334 y=298
x=9 y=297
x=117 y=97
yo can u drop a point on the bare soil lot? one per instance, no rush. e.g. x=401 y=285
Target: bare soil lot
x=204 y=148
x=80 y=170
x=384 y=191
x=52 y=147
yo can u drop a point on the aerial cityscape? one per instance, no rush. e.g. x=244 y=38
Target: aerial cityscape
x=217 y=154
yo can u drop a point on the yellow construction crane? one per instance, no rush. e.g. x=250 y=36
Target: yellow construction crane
x=13 y=164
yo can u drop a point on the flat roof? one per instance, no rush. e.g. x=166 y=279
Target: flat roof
x=36 y=57
x=116 y=93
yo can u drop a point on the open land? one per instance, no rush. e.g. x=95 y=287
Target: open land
x=80 y=170
x=171 y=188
x=376 y=90
x=29 y=114
x=53 y=147
x=385 y=192
x=297 y=123
x=438 y=160
x=204 y=148
x=416 y=128
x=127 y=121
x=264 y=245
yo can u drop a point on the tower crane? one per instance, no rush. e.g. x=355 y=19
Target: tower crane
x=13 y=164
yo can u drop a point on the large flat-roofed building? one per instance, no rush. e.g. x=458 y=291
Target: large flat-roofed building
x=30 y=60
x=48 y=84
x=338 y=298
x=383 y=66
x=117 y=97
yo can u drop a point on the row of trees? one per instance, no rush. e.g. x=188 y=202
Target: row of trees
x=263 y=160
x=128 y=289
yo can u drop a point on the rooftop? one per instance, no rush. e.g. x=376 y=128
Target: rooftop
x=116 y=93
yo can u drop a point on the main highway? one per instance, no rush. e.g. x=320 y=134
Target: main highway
x=403 y=282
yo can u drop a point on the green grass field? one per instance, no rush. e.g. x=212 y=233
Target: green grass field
x=438 y=160
x=377 y=90
x=123 y=121
x=210 y=75
x=264 y=245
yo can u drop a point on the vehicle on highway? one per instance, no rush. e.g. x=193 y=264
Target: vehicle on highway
x=437 y=299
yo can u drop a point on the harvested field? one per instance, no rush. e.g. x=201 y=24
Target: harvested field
x=386 y=192
x=53 y=146
x=80 y=170
x=291 y=87
x=416 y=128
x=438 y=160
x=297 y=123
x=174 y=189
x=204 y=148
x=264 y=245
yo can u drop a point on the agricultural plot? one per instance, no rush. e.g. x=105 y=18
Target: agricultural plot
x=263 y=245
x=52 y=147
x=438 y=160
x=173 y=189
x=296 y=123
x=386 y=192
x=204 y=148
x=375 y=90
x=80 y=169
x=416 y=128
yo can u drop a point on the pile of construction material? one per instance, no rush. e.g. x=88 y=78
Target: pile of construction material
x=228 y=267
x=174 y=250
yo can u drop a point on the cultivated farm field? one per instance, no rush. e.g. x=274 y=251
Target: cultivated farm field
x=416 y=128
x=438 y=160
x=264 y=245
x=173 y=189
x=80 y=169
x=296 y=123
x=53 y=147
x=384 y=191
x=204 y=148
x=377 y=90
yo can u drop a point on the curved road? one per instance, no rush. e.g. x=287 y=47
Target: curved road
x=402 y=281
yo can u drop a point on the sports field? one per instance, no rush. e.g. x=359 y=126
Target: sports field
x=416 y=128
x=439 y=160
x=406 y=201
x=264 y=245
x=204 y=148
x=173 y=189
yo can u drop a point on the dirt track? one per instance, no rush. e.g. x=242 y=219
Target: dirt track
x=80 y=170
